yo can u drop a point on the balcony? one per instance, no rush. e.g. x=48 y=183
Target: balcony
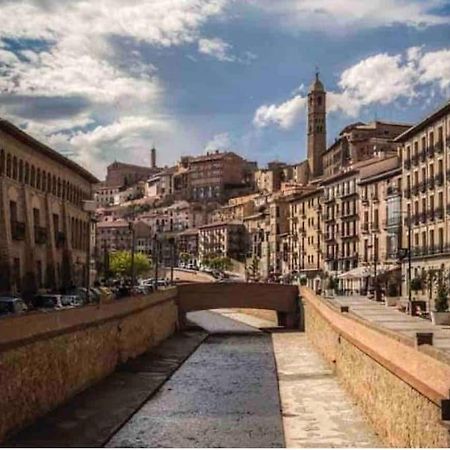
x=439 y=213
x=430 y=152
x=423 y=156
x=407 y=193
x=328 y=218
x=430 y=183
x=391 y=224
x=60 y=239
x=348 y=194
x=364 y=200
x=393 y=191
x=415 y=160
x=407 y=164
x=329 y=200
x=415 y=190
x=431 y=215
x=439 y=179
x=375 y=226
x=374 y=196
x=423 y=186
x=18 y=230
x=40 y=235
x=422 y=217
x=439 y=147
x=364 y=228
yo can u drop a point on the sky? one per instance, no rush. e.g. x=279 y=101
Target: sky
x=105 y=80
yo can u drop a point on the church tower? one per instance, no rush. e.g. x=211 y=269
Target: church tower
x=317 y=126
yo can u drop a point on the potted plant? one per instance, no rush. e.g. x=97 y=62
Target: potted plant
x=331 y=286
x=391 y=298
x=416 y=285
x=303 y=281
x=441 y=315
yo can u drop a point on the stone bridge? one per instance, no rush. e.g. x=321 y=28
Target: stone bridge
x=276 y=297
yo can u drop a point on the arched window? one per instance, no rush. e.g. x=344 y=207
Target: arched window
x=33 y=176
x=38 y=179
x=27 y=173
x=20 y=171
x=2 y=162
x=8 y=165
x=14 y=168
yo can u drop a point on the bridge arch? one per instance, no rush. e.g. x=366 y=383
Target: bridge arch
x=277 y=297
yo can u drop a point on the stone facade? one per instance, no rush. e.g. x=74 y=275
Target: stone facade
x=44 y=232
x=426 y=195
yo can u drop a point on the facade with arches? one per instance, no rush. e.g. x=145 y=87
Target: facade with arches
x=44 y=231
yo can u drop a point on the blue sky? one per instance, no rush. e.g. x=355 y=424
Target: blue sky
x=105 y=80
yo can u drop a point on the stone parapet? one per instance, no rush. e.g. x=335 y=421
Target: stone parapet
x=47 y=358
x=403 y=389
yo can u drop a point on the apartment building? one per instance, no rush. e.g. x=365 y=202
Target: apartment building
x=44 y=231
x=187 y=242
x=235 y=209
x=279 y=227
x=380 y=219
x=213 y=174
x=303 y=248
x=425 y=151
x=258 y=230
x=223 y=239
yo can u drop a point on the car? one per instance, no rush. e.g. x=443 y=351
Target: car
x=71 y=301
x=12 y=305
x=47 y=302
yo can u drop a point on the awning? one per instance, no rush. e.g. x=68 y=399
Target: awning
x=367 y=271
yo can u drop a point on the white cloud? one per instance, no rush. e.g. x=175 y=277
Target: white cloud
x=216 y=48
x=284 y=115
x=348 y=15
x=221 y=141
x=379 y=79
x=72 y=56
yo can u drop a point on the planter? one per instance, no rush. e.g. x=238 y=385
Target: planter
x=440 y=318
x=391 y=301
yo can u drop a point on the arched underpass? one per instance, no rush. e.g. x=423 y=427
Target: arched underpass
x=276 y=297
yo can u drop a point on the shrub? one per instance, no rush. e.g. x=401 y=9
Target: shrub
x=303 y=281
x=441 y=302
x=416 y=284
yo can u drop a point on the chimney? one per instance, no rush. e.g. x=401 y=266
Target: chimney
x=153 y=158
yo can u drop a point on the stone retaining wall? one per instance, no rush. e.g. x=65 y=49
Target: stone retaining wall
x=46 y=358
x=400 y=388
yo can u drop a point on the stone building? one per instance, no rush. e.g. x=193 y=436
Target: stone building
x=187 y=243
x=425 y=151
x=44 y=231
x=304 y=247
x=360 y=141
x=258 y=230
x=122 y=174
x=228 y=239
x=211 y=176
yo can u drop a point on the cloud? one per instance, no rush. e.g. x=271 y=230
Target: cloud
x=217 y=48
x=221 y=141
x=350 y=15
x=68 y=53
x=379 y=79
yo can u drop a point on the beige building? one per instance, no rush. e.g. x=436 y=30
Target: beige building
x=380 y=220
x=44 y=232
x=426 y=196
x=223 y=239
x=304 y=246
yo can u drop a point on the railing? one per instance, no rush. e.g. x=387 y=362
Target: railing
x=439 y=213
x=393 y=190
x=423 y=186
x=375 y=226
x=422 y=217
x=329 y=237
x=423 y=156
x=415 y=190
x=430 y=152
x=17 y=230
x=407 y=163
x=415 y=160
x=439 y=147
x=364 y=200
x=439 y=179
x=40 y=235
x=430 y=183
x=364 y=228
x=391 y=223
x=374 y=196
x=407 y=193
x=430 y=215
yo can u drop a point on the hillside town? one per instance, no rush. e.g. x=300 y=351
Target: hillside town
x=366 y=215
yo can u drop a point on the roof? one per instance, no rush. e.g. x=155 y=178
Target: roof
x=316 y=85
x=212 y=156
x=112 y=224
x=20 y=135
x=382 y=168
x=123 y=165
x=221 y=224
x=188 y=232
x=435 y=115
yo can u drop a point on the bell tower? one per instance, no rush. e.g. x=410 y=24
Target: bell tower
x=317 y=126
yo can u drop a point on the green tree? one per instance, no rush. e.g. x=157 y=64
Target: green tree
x=120 y=263
x=441 y=301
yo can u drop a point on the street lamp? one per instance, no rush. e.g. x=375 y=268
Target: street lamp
x=90 y=207
x=407 y=251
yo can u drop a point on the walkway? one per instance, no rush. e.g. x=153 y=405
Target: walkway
x=317 y=411
x=394 y=320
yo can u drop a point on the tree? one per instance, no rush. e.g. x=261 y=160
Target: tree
x=120 y=263
x=441 y=302
x=416 y=284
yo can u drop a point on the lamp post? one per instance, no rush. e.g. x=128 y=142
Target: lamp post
x=89 y=206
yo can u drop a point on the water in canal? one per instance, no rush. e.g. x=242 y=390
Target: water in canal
x=224 y=395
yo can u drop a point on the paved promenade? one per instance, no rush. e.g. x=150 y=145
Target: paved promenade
x=392 y=319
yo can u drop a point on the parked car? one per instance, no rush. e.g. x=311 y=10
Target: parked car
x=71 y=301
x=47 y=302
x=12 y=305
